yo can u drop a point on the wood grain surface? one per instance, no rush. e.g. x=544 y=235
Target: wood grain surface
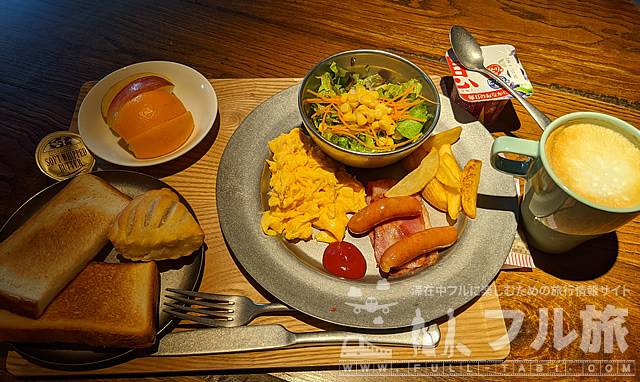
x=580 y=55
x=195 y=179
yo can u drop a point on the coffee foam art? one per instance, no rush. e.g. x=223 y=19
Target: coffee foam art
x=597 y=163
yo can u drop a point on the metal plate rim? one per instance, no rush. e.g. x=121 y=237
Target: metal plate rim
x=291 y=281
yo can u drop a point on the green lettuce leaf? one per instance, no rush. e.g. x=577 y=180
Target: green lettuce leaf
x=409 y=128
x=325 y=85
x=393 y=90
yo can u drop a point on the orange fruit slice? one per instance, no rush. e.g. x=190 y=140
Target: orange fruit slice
x=146 y=111
x=163 y=138
x=139 y=82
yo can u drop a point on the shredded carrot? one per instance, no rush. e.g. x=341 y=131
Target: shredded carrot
x=341 y=118
x=375 y=136
x=321 y=110
x=321 y=97
x=348 y=127
x=405 y=93
x=409 y=105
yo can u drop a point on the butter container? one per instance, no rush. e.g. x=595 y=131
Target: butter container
x=482 y=96
x=62 y=154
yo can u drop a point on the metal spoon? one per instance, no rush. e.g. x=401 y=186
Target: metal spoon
x=468 y=52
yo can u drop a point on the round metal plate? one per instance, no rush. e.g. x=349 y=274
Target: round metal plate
x=183 y=273
x=293 y=272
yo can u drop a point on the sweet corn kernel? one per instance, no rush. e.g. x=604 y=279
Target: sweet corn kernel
x=384 y=124
x=387 y=120
x=345 y=108
x=387 y=124
x=375 y=125
x=361 y=119
x=370 y=116
x=366 y=99
x=362 y=108
x=352 y=98
x=344 y=98
x=391 y=130
x=349 y=116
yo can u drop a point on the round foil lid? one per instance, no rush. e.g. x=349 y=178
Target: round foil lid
x=62 y=154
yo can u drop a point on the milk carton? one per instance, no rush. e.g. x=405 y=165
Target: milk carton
x=482 y=96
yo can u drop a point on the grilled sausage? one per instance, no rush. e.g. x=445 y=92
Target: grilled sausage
x=383 y=210
x=416 y=244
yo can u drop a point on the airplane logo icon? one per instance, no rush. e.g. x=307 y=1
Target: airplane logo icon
x=371 y=305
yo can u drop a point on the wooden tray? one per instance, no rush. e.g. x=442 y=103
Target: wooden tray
x=194 y=176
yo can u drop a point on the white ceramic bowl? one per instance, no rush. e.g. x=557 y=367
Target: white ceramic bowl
x=193 y=89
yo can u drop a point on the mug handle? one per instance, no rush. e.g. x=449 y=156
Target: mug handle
x=514 y=146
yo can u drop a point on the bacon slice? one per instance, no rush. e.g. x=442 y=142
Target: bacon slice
x=386 y=234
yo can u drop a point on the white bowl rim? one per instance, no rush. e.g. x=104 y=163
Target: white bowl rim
x=104 y=143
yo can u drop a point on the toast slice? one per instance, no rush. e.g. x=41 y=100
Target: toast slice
x=56 y=243
x=108 y=304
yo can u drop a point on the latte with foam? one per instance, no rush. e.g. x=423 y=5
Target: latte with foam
x=597 y=163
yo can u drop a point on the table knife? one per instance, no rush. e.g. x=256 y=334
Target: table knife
x=263 y=337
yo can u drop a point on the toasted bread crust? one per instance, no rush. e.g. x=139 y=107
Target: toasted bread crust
x=42 y=256
x=112 y=305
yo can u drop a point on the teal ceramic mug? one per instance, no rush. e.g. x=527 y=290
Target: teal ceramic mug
x=582 y=179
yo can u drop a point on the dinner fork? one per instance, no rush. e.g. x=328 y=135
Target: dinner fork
x=220 y=310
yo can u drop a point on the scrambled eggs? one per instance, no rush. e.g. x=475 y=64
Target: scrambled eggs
x=308 y=189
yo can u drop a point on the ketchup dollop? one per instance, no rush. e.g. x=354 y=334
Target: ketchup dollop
x=344 y=260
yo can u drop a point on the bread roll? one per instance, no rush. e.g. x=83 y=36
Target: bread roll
x=155 y=226
x=52 y=247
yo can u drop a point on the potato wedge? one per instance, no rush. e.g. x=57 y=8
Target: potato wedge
x=448 y=172
x=446 y=148
x=412 y=161
x=449 y=161
x=446 y=177
x=435 y=195
x=454 y=204
x=446 y=137
x=417 y=179
x=469 y=183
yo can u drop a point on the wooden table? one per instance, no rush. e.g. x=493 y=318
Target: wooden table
x=580 y=55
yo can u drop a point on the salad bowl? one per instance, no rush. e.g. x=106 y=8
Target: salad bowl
x=388 y=74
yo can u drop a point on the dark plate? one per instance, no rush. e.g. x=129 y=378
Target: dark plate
x=293 y=272
x=183 y=273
